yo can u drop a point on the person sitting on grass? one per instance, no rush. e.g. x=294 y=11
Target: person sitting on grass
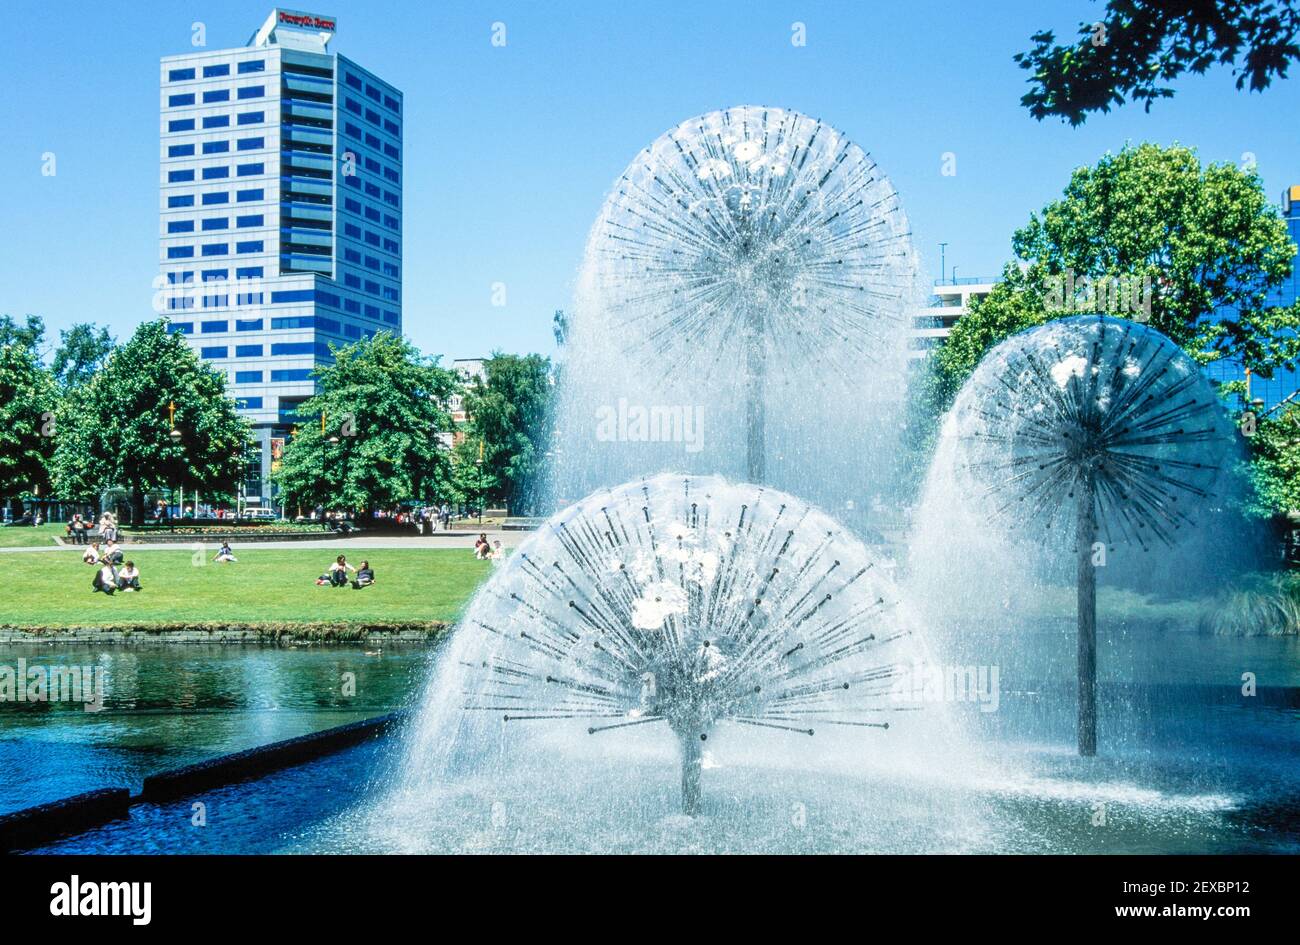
x=497 y=553
x=337 y=575
x=105 y=579
x=91 y=554
x=482 y=550
x=365 y=576
x=113 y=554
x=225 y=555
x=128 y=579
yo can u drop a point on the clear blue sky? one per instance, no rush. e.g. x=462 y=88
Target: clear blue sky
x=510 y=151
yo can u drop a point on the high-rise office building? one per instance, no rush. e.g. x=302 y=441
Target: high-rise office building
x=281 y=215
x=1271 y=393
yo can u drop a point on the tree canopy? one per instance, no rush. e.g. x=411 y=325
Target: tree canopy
x=1138 y=47
x=1198 y=248
x=115 y=429
x=510 y=415
x=28 y=401
x=384 y=406
x=82 y=351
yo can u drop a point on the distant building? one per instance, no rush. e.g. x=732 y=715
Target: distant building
x=1284 y=385
x=280 y=215
x=949 y=301
x=467 y=371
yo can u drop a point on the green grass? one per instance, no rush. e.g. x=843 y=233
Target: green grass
x=23 y=536
x=53 y=589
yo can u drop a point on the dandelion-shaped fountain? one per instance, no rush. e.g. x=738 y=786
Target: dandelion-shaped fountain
x=1096 y=428
x=755 y=239
x=688 y=602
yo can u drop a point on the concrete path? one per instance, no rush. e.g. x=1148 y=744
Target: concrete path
x=456 y=539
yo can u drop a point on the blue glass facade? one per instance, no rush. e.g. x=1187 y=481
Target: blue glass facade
x=280 y=213
x=1283 y=383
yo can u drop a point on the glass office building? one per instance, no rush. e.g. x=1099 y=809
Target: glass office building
x=280 y=215
x=1284 y=383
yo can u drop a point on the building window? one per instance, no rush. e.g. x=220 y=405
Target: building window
x=248 y=403
x=215 y=173
x=251 y=118
x=215 y=351
x=180 y=75
x=248 y=324
x=212 y=275
x=248 y=351
x=212 y=72
x=180 y=150
x=249 y=272
x=183 y=328
x=245 y=196
x=216 y=147
x=214 y=328
x=177 y=101
x=180 y=176
x=219 y=196
x=181 y=124
x=249 y=377
x=252 y=91
x=252 y=65
x=251 y=220
x=250 y=246
x=251 y=144
x=216 y=249
x=250 y=170
x=184 y=200
x=292 y=321
x=294 y=295
x=216 y=95
x=180 y=226
x=217 y=223
x=217 y=121
x=297 y=374
x=180 y=252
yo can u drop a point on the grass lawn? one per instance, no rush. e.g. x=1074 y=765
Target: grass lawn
x=23 y=536
x=264 y=586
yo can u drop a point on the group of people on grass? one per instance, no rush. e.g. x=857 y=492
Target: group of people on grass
x=337 y=574
x=485 y=550
x=112 y=572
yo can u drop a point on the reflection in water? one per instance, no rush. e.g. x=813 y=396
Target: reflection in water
x=173 y=704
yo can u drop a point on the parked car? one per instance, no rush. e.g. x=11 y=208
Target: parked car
x=258 y=515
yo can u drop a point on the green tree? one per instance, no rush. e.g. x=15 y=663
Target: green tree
x=384 y=406
x=1275 y=464
x=116 y=430
x=1138 y=46
x=510 y=414
x=30 y=334
x=28 y=401
x=82 y=351
x=1187 y=241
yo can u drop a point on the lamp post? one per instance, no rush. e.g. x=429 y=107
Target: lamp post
x=479 y=463
x=175 y=436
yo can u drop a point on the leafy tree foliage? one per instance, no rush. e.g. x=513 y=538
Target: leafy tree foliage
x=115 y=429
x=82 y=351
x=384 y=406
x=28 y=400
x=510 y=415
x=30 y=334
x=1139 y=46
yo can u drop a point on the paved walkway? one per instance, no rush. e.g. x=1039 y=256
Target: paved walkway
x=454 y=539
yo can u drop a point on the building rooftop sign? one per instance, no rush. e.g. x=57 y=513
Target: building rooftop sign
x=293 y=29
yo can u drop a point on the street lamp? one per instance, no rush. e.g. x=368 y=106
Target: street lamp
x=479 y=463
x=175 y=434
